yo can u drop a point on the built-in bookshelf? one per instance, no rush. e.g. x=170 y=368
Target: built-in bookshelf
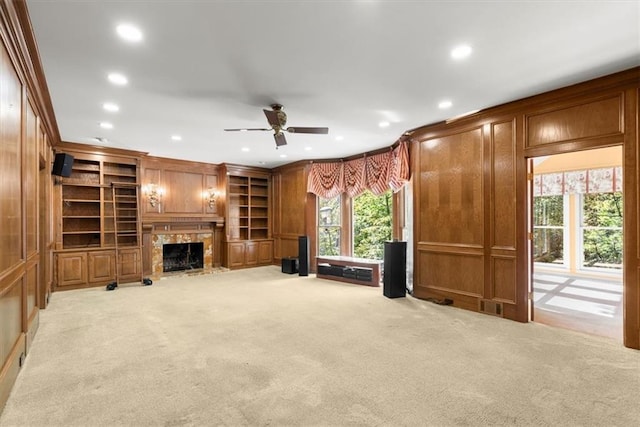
x=91 y=226
x=248 y=224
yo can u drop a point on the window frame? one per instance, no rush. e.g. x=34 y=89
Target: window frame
x=566 y=237
x=579 y=255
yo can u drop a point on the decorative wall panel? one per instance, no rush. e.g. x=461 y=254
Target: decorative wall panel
x=503 y=278
x=503 y=188
x=290 y=192
x=453 y=273
x=183 y=192
x=602 y=117
x=11 y=243
x=451 y=182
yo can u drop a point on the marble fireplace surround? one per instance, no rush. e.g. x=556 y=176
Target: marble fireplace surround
x=184 y=232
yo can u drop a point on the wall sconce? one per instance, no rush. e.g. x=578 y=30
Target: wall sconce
x=210 y=196
x=154 y=194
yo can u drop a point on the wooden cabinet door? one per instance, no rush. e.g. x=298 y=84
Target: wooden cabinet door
x=130 y=265
x=72 y=269
x=251 y=253
x=236 y=254
x=265 y=252
x=102 y=266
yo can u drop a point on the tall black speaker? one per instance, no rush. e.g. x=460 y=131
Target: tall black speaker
x=395 y=269
x=62 y=165
x=303 y=255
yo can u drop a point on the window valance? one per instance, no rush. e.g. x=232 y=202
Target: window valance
x=602 y=180
x=376 y=173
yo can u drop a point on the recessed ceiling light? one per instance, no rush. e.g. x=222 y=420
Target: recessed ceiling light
x=307 y=148
x=384 y=124
x=283 y=156
x=176 y=137
x=339 y=138
x=445 y=104
x=129 y=32
x=461 y=52
x=111 y=107
x=106 y=125
x=118 y=79
x=262 y=163
x=245 y=149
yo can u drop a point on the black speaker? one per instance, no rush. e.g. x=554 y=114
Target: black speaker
x=62 y=165
x=303 y=255
x=290 y=265
x=395 y=269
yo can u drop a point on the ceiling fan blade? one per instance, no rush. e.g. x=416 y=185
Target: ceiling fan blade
x=272 y=117
x=307 y=130
x=245 y=129
x=280 y=139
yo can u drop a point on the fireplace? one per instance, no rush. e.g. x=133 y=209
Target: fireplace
x=182 y=233
x=182 y=256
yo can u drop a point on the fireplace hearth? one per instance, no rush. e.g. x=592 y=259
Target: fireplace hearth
x=182 y=256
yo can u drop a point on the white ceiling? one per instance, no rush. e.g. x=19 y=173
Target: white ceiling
x=208 y=65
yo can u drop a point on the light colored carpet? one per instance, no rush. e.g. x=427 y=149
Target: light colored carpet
x=258 y=347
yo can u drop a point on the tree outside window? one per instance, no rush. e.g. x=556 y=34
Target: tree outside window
x=329 y=226
x=371 y=224
x=548 y=229
x=601 y=228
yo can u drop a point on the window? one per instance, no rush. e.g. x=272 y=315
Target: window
x=601 y=230
x=548 y=230
x=371 y=224
x=329 y=226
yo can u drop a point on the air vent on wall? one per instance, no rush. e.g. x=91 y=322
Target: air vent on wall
x=491 y=307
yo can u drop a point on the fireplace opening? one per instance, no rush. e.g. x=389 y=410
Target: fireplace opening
x=182 y=256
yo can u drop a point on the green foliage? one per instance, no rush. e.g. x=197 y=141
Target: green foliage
x=372 y=224
x=548 y=210
x=329 y=226
x=602 y=210
x=602 y=246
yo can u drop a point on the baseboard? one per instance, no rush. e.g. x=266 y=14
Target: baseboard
x=10 y=370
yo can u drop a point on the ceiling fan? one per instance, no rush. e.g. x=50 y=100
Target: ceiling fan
x=278 y=120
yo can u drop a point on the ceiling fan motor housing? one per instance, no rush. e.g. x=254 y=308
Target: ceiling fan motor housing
x=282 y=117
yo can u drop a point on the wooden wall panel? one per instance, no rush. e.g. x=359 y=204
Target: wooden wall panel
x=455 y=273
x=182 y=192
x=211 y=182
x=289 y=218
x=25 y=109
x=11 y=243
x=150 y=176
x=45 y=219
x=503 y=185
x=451 y=207
x=10 y=318
x=599 y=113
x=601 y=117
x=185 y=186
x=31 y=278
x=30 y=180
x=503 y=278
x=631 y=226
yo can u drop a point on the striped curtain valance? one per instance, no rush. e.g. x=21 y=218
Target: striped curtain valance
x=602 y=180
x=376 y=173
